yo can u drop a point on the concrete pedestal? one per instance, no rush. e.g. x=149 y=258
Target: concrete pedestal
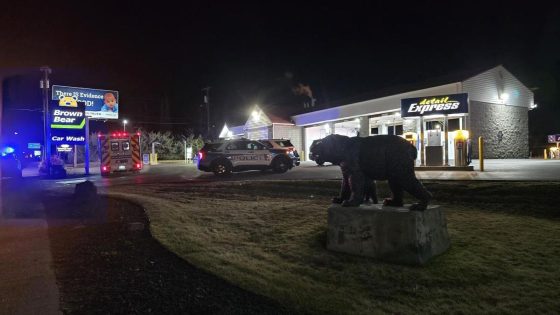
x=388 y=233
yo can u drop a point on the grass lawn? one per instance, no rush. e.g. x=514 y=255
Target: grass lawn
x=269 y=237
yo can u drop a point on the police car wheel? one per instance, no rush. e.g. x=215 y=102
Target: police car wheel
x=221 y=168
x=280 y=166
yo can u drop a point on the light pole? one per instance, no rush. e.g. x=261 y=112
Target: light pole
x=207 y=102
x=124 y=122
x=45 y=85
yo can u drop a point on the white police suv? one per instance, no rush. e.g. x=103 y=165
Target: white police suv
x=236 y=155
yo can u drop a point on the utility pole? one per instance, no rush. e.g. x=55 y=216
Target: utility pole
x=45 y=85
x=207 y=102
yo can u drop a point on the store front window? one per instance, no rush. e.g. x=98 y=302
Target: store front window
x=395 y=130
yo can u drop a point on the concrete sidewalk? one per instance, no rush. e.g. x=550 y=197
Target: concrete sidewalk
x=32 y=170
x=502 y=170
x=27 y=280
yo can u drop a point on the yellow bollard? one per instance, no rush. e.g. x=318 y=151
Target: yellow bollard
x=481 y=153
x=545 y=155
x=153 y=159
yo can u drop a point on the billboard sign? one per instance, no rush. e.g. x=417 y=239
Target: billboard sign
x=553 y=138
x=67 y=122
x=435 y=105
x=99 y=104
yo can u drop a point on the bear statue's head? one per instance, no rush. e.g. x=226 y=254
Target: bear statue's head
x=329 y=149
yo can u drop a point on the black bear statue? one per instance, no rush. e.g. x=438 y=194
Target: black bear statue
x=365 y=159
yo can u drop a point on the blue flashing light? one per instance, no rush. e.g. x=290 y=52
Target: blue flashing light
x=7 y=150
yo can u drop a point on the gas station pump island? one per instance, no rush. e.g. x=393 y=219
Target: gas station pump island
x=434 y=140
x=554 y=151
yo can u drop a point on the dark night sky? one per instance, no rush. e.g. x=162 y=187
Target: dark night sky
x=255 y=52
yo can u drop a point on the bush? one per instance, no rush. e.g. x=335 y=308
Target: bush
x=171 y=145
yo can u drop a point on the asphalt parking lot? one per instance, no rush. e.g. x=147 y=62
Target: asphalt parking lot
x=176 y=171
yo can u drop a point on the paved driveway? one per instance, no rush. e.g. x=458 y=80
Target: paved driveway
x=506 y=170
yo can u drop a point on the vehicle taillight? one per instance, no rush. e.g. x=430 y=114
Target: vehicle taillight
x=138 y=165
x=104 y=168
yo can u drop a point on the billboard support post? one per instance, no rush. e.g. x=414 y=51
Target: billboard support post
x=86 y=158
x=45 y=87
x=75 y=156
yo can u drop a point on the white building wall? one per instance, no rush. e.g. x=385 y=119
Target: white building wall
x=484 y=92
x=293 y=133
x=264 y=132
x=237 y=131
x=370 y=107
x=502 y=122
x=489 y=85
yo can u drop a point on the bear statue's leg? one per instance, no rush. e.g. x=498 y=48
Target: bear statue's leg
x=396 y=199
x=370 y=190
x=413 y=186
x=344 y=189
x=356 y=180
x=367 y=190
x=373 y=192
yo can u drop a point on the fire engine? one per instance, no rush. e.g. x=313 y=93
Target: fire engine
x=119 y=152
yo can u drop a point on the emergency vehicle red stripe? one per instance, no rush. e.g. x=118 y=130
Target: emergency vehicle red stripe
x=135 y=150
x=106 y=156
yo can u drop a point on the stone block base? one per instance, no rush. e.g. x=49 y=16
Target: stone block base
x=390 y=234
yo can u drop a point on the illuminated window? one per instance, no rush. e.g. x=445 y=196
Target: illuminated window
x=434 y=125
x=395 y=130
x=453 y=124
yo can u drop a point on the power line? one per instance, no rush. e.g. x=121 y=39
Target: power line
x=27 y=109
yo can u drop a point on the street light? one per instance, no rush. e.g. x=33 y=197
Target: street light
x=124 y=122
x=207 y=102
